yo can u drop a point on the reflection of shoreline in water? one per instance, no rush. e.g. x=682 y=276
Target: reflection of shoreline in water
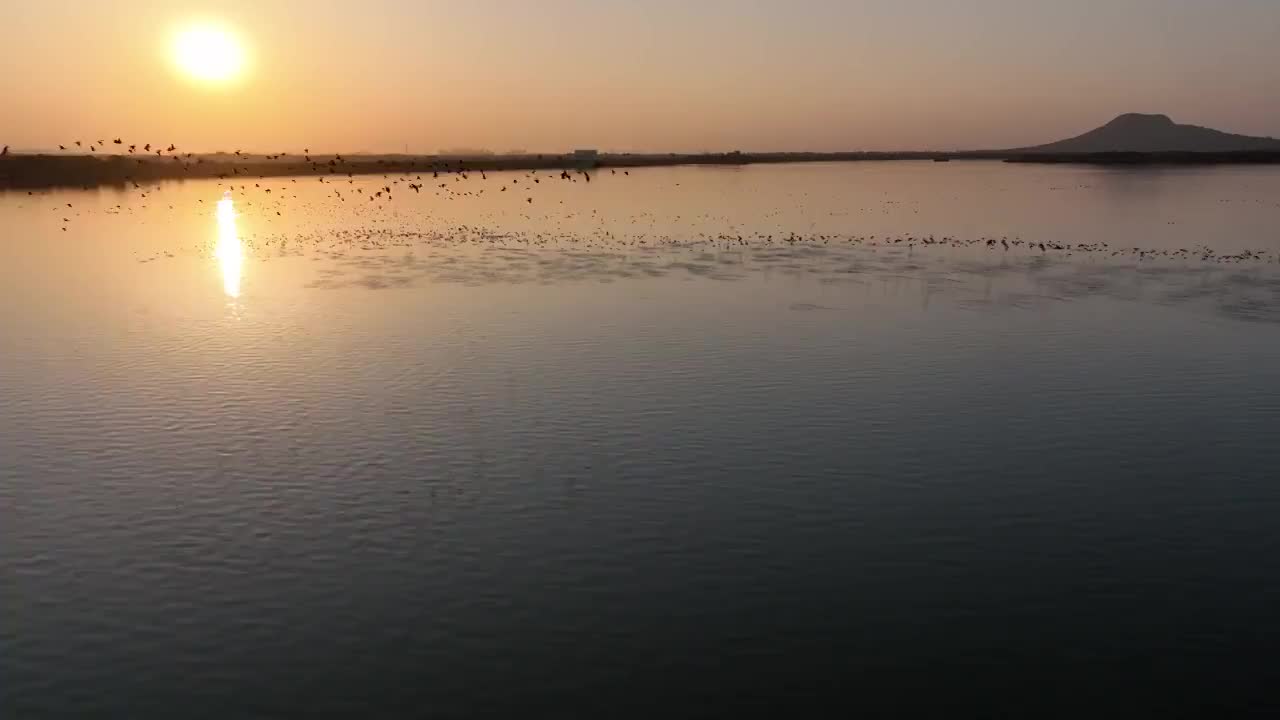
x=229 y=251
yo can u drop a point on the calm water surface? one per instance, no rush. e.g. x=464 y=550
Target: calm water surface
x=682 y=440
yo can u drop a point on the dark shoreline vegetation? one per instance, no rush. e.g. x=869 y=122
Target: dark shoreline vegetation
x=31 y=171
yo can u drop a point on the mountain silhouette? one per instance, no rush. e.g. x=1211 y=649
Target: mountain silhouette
x=1137 y=132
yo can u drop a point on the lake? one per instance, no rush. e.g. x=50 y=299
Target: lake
x=666 y=442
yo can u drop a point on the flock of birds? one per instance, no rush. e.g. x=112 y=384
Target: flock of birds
x=146 y=148
x=285 y=162
x=373 y=200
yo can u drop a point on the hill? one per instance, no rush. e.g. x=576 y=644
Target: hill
x=1136 y=132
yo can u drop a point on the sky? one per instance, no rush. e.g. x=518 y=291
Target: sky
x=636 y=75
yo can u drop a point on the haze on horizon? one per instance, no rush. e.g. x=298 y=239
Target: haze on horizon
x=657 y=75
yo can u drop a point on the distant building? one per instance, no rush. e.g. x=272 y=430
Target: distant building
x=585 y=158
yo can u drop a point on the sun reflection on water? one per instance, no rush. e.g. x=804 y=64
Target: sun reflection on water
x=229 y=252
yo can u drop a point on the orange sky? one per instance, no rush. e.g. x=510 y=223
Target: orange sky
x=381 y=75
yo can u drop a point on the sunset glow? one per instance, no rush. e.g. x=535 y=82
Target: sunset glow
x=815 y=76
x=209 y=54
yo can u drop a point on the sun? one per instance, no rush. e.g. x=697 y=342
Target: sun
x=208 y=53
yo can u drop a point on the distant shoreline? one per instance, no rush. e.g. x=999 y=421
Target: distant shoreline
x=34 y=171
